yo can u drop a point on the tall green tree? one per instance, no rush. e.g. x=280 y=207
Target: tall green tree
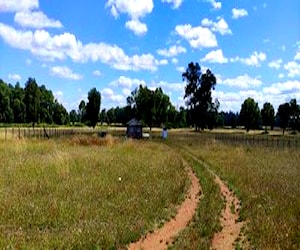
x=82 y=111
x=60 y=114
x=268 y=115
x=17 y=103
x=93 y=107
x=283 y=114
x=151 y=106
x=73 y=116
x=294 y=114
x=32 y=101
x=198 y=94
x=250 y=114
x=6 y=112
x=46 y=105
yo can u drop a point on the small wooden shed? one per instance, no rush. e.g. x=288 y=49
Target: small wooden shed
x=134 y=129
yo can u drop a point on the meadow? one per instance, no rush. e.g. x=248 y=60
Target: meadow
x=90 y=192
x=85 y=192
x=265 y=179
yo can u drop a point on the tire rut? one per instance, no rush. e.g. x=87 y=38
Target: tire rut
x=162 y=238
x=231 y=227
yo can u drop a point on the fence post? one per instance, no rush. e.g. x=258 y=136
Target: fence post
x=19 y=133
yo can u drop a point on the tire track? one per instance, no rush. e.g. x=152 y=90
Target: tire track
x=163 y=237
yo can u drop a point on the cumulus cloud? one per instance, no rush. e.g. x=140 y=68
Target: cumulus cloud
x=293 y=69
x=176 y=3
x=65 y=72
x=97 y=73
x=135 y=9
x=276 y=64
x=216 y=5
x=137 y=27
x=215 y=56
x=243 y=81
x=172 y=51
x=237 y=13
x=198 y=37
x=221 y=26
x=18 y=5
x=66 y=45
x=14 y=77
x=128 y=83
x=36 y=19
x=109 y=95
x=180 y=69
x=254 y=60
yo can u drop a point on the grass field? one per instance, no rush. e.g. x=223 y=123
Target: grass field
x=265 y=179
x=85 y=192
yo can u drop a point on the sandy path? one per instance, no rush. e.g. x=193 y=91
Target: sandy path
x=162 y=237
x=231 y=228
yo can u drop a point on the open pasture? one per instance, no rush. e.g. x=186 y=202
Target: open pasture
x=266 y=179
x=85 y=192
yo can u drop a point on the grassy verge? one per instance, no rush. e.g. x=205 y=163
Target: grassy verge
x=267 y=182
x=82 y=193
x=206 y=222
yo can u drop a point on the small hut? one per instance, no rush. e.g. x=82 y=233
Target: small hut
x=134 y=129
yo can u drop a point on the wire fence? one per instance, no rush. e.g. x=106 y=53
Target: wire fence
x=227 y=138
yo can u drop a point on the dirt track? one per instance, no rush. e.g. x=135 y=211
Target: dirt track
x=223 y=240
x=162 y=237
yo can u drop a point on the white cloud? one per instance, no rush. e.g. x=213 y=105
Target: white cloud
x=180 y=69
x=293 y=69
x=243 y=81
x=36 y=19
x=128 y=83
x=18 y=5
x=276 y=64
x=282 y=91
x=254 y=60
x=172 y=51
x=215 y=56
x=14 y=77
x=97 y=73
x=237 y=13
x=198 y=37
x=174 y=60
x=280 y=76
x=137 y=27
x=297 y=56
x=65 y=72
x=66 y=45
x=109 y=95
x=221 y=26
x=136 y=9
x=163 y=62
x=215 y=4
x=176 y=3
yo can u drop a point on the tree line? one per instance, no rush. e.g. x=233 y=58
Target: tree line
x=36 y=104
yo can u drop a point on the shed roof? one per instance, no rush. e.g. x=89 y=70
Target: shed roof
x=134 y=122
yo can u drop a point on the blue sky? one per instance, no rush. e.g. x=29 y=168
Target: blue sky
x=252 y=46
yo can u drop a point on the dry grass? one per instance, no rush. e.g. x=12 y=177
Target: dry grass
x=80 y=193
x=267 y=182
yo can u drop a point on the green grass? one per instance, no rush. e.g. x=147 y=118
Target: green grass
x=267 y=182
x=82 y=193
x=206 y=222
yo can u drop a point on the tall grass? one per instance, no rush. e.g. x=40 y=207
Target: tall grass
x=60 y=194
x=267 y=182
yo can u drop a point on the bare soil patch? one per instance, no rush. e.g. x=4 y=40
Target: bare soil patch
x=231 y=228
x=163 y=237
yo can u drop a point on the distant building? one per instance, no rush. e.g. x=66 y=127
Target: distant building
x=134 y=129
